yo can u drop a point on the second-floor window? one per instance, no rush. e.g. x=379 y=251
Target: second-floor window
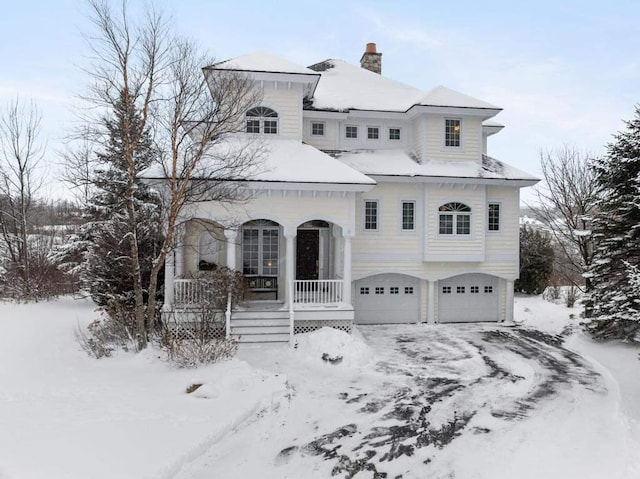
x=408 y=215
x=454 y=219
x=394 y=133
x=371 y=215
x=373 y=133
x=262 y=120
x=351 y=131
x=452 y=128
x=494 y=217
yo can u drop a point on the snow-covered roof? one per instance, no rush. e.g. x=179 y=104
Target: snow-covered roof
x=400 y=163
x=344 y=86
x=262 y=62
x=443 y=96
x=275 y=160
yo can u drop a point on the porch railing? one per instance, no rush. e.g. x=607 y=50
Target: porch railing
x=323 y=291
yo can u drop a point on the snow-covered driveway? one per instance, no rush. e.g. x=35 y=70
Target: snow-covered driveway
x=467 y=401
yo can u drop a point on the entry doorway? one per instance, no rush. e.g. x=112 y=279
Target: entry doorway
x=308 y=254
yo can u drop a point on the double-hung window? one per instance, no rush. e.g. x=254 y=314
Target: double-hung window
x=452 y=127
x=408 y=215
x=454 y=219
x=371 y=215
x=493 y=220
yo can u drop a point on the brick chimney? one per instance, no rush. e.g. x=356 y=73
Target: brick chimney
x=371 y=60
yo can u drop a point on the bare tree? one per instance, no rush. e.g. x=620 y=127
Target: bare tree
x=567 y=201
x=21 y=153
x=158 y=77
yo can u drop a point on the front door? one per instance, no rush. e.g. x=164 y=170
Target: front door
x=307 y=254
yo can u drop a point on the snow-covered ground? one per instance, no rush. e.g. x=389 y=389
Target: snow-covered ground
x=447 y=401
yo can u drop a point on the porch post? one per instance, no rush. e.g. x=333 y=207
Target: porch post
x=346 y=269
x=336 y=253
x=179 y=251
x=168 y=281
x=431 y=302
x=290 y=237
x=509 y=303
x=231 y=236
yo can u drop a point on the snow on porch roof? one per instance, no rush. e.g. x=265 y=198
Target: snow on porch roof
x=400 y=163
x=284 y=161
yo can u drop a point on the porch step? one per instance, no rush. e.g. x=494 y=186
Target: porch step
x=242 y=322
x=261 y=338
x=265 y=330
x=259 y=315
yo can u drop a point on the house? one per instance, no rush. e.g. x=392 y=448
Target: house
x=378 y=204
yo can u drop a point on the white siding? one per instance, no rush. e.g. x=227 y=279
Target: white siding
x=330 y=139
x=470 y=139
x=455 y=247
x=502 y=246
x=286 y=99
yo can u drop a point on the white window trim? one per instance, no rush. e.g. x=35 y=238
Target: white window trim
x=357 y=132
x=364 y=215
x=324 y=129
x=373 y=139
x=401 y=216
x=389 y=133
x=500 y=211
x=444 y=133
x=261 y=120
x=261 y=229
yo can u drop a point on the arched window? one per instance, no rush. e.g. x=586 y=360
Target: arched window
x=454 y=218
x=262 y=120
x=208 y=252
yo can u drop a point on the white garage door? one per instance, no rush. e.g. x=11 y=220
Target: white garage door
x=468 y=298
x=387 y=298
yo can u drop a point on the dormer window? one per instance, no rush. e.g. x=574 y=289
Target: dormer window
x=452 y=127
x=262 y=120
x=454 y=219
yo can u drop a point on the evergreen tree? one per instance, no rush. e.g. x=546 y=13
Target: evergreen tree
x=100 y=252
x=616 y=297
x=536 y=261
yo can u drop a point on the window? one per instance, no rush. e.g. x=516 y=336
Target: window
x=262 y=120
x=351 y=131
x=394 y=133
x=317 y=128
x=371 y=215
x=408 y=215
x=364 y=290
x=373 y=133
x=460 y=289
x=452 y=132
x=454 y=217
x=474 y=289
x=408 y=290
x=446 y=290
x=260 y=249
x=379 y=290
x=488 y=289
x=494 y=217
x=394 y=290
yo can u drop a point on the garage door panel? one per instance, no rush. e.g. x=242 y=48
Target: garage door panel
x=387 y=299
x=468 y=298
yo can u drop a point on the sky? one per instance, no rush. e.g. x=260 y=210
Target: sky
x=564 y=72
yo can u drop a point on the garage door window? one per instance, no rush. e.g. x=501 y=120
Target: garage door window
x=394 y=290
x=488 y=289
x=460 y=289
x=379 y=290
x=446 y=289
x=364 y=290
x=475 y=289
x=408 y=290
x=454 y=219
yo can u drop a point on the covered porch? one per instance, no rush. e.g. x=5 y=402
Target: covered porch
x=298 y=276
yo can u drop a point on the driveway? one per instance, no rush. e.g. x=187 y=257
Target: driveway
x=432 y=396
